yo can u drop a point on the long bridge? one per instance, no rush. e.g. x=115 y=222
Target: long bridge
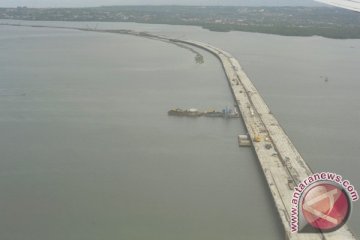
x=281 y=163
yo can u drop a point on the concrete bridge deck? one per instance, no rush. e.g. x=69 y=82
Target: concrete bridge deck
x=281 y=162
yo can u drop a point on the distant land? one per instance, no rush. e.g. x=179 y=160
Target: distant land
x=97 y=3
x=328 y=22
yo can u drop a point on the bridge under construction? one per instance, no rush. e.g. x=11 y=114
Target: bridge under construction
x=280 y=162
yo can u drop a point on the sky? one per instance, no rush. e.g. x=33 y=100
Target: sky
x=90 y=3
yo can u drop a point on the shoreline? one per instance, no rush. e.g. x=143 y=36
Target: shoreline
x=328 y=22
x=211 y=29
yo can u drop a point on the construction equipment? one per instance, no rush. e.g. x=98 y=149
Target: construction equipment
x=257 y=138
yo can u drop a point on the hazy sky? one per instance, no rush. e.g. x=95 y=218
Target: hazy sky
x=83 y=3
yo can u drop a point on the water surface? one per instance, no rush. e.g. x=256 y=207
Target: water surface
x=88 y=151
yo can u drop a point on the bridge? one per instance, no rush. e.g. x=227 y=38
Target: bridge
x=281 y=163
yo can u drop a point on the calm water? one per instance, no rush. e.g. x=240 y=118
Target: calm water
x=88 y=151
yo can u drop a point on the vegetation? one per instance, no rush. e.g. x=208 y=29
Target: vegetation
x=292 y=21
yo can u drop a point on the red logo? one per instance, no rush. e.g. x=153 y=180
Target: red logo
x=326 y=207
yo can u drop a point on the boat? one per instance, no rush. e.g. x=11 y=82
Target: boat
x=176 y=112
x=213 y=113
x=192 y=112
x=231 y=113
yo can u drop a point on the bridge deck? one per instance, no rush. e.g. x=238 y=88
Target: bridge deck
x=281 y=162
